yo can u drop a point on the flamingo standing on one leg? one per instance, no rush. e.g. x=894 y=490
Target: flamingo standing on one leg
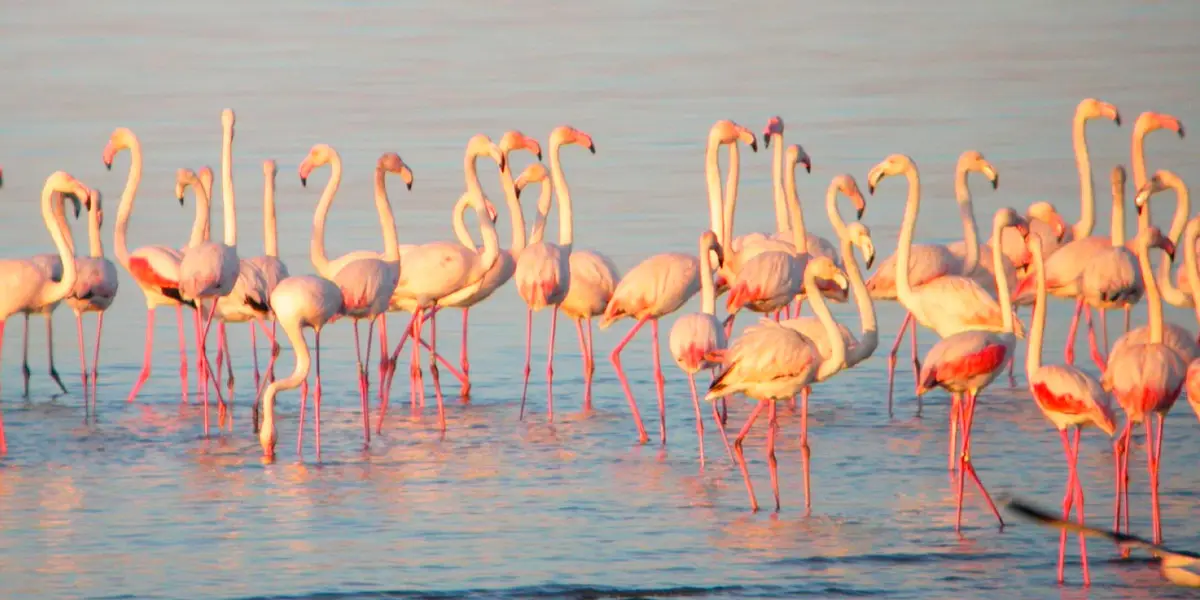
x=1070 y=398
x=697 y=336
x=155 y=269
x=298 y=302
x=543 y=273
x=26 y=284
x=95 y=289
x=1146 y=379
x=770 y=362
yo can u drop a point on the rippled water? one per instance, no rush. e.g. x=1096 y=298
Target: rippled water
x=136 y=503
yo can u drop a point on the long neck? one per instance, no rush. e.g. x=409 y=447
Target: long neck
x=903 y=287
x=796 y=218
x=566 y=235
x=712 y=180
x=1190 y=263
x=1153 y=299
x=1138 y=158
x=291 y=382
x=391 y=247
x=317 y=248
x=777 y=190
x=543 y=209
x=60 y=218
x=459 y=222
x=869 y=339
x=837 y=358
x=203 y=214
x=228 y=205
x=1006 y=313
x=58 y=290
x=966 y=210
x=125 y=209
x=1172 y=294
x=1117 y=226
x=731 y=189
x=708 y=290
x=270 y=229
x=517 y=215
x=1087 y=196
x=835 y=216
x=95 y=244
x=491 y=242
x=1033 y=356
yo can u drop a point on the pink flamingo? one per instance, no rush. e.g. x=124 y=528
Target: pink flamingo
x=1146 y=379
x=51 y=265
x=543 y=269
x=299 y=302
x=506 y=264
x=726 y=133
x=966 y=361
x=366 y=281
x=930 y=262
x=95 y=289
x=155 y=269
x=1069 y=398
x=770 y=362
x=783 y=184
x=696 y=337
x=273 y=270
x=1177 y=293
x=1191 y=264
x=26 y=284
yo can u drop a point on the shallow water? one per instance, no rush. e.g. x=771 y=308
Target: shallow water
x=136 y=503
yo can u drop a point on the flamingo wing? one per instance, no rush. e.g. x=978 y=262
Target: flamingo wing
x=960 y=358
x=952 y=304
x=1069 y=396
x=768 y=361
x=925 y=263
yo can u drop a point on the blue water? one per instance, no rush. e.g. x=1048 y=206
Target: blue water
x=135 y=502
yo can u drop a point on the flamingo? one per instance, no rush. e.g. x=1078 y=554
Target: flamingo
x=783 y=184
x=1177 y=293
x=543 y=274
x=366 y=281
x=95 y=289
x=966 y=361
x=155 y=269
x=23 y=281
x=299 y=302
x=1069 y=398
x=1193 y=279
x=506 y=264
x=770 y=362
x=695 y=337
x=1146 y=378
x=929 y=262
x=273 y=270
x=725 y=133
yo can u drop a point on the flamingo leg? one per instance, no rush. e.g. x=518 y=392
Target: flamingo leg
x=83 y=370
x=317 y=394
x=462 y=357
x=3 y=441
x=699 y=417
x=660 y=383
x=25 y=372
x=254 y=353
x=220 y=347
x=772 y=463
x=550 y=366
x=300 y=431
x=1118 y=450
x=528 y=360
x=968 y=469
x=916 y=361
x=1073 y=497
x=1104 y=330
x=615 y=357
x=201 y=367
x=96 y=355
x=1069 y=350
x=1093 y=347
x=383 y=357
x=1152 y=468
x=366 y=404
x=223 y=342
x=390 y=369
x=416 y=378
x=955 y=407
x=433 y=370
x=50 y=351
x=1127 y=314
x=1079 y=511
x=587 y=371
x=805 y=452
x=721 y=429
x=892 y=359
x=145 y=374
x=741 y=458
x=274 y=348
x=362 y=381
x=445 y=363
x=183 y=359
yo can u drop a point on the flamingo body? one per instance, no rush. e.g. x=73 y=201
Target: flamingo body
x=657 y=286
x=1069 y=397
x=593 y=281
x=965 y=361
x=543 y=275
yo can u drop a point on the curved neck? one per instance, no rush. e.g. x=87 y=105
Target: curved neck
x=459 y=222
x=731 y=190
x=712 y=180
x=491 y=242
x=708 y=290
x=1138 y=157
x=796 y=216
x=270 y=229
x=869 y=339
x=543 y=209
x=228 y=206
x=203 y=214
x=1153 y=299
x=1171 y=294
x=317 y=248
x=835 y=216
x=966 y=211
x=1087 y=195
x=777 y=190
x=391 y=247
x=566 y=234
x=52 y=202
x=125 y=209
x=1033 y=356
x=516 y=214
x=1006 y=312
x=904 y=289
x=296 y=336
x=95 y=243
x=837 y=357
x=1190 y=263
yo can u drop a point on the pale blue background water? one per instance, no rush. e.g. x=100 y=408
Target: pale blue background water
x=137 y=504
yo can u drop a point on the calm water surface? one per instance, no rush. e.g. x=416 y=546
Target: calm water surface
x=137 y=504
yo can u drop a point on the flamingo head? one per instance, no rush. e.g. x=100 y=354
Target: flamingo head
x=319 y=156
x=774 y=127
x=515 y=140
x=709 y=243
x=860 y=235
x=565 y=134
x=973 y=160
x=892 y=165
x=1150 y=121
x=534 y=173
x=797 y=156
x=847 y=185
x=823 y=267
x=270 y=169
x=121 y=139
x=390 y=162
x=728 y=132
x=184 y=178
x=1046 y=213
x=95 y=205
x=1152 y=237
x=1091 y=108
x=1161 y=181
x=1007 y=217
x=482 y=145
x=227 y=119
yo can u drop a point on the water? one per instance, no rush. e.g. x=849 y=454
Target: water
x=137 y=504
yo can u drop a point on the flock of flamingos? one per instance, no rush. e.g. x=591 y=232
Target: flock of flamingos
x=967 y=292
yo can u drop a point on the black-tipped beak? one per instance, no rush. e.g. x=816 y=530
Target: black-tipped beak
x=1117 y=119
x=807 y=167
x=408 y=185
x=858 y=215
x=1181 y=132
x=180 y=200
x=767 y=141
x=76 y=207
x=108 y=165
x=870 y=261
x=303 y=182
x=591 y=148
x=539 y=154
x=1140 y=208
x=503 y=162
x=754 y=146
x=871 y=189
x=517 y=193
x=996 y=183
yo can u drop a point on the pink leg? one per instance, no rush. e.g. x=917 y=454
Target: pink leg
x=96 y=354
x=300 y=430
x=1069 y=350
x=772 y=463
x=916 y=362
x=1152 y=469
x=550 y=367
x=83 y=370
x=1079 y=511
x=145 y=374
x=615 y=357
x=446 y=364
x=466 y=364
x=1092 y=346
x=25 y=372
x=1104 y=330
x=418 y=381
x=223 y=341
x=741 y=458
x=50 y=352
x=3 y=441
x=254 y=353
x=390 y=369
x=362 y=383
x=955 y=412
x=968 y=469
x=1118 y=450
x=317 y=393
x=659 y=382
x=892 y=359
x=699 y=417
x=585 y=352
x=200 y=370
x=721 y=429
x=183 y=359
x=220 y=347
x=274 y=348
x=433 y=370
x=383 y=357
x=1067 y=502
x=528 y=360
x=805 y=452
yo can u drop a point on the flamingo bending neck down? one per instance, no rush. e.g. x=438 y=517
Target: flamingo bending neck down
x=272 y=269
x=95 y=289
x=25 y=284
x=155 y=269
